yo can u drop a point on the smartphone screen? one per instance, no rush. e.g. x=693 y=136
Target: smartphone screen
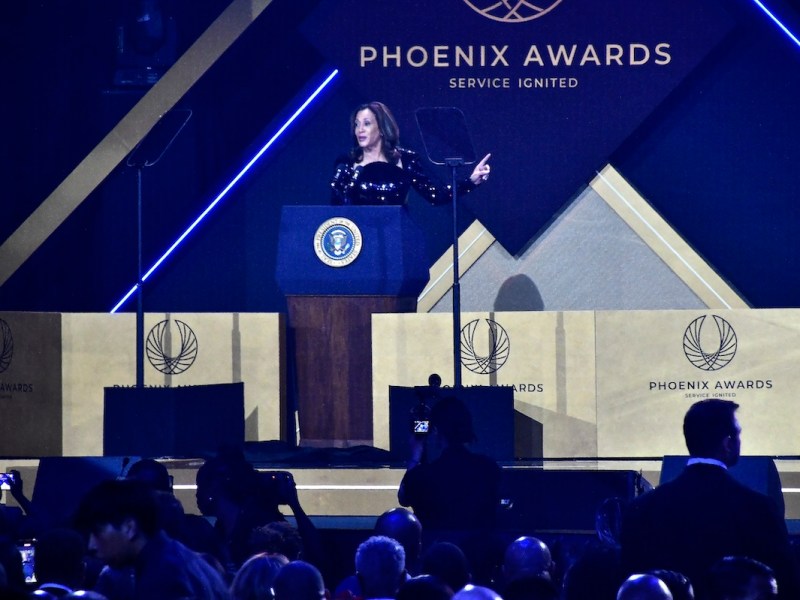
x=27 y=550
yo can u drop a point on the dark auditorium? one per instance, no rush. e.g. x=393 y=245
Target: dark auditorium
x=410 y=300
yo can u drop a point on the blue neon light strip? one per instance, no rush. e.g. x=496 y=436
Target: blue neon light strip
x=785 y=29
x=228 y=187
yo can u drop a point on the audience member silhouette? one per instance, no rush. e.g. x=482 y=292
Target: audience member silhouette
x=597 y=573
x=152 y=473
x=121 y=520
x=402 y=526
x=299 y=580
x=242 y=499
x=60 y=561
x=455 y=495
x=424 y=587
x=380 y=567
x=527 y=557
x=476 y=592
x=679 y=585
x=227 y=490
x=704 y=514
x=11 y=563
x=643 y=586
x=193 y=531
x=84 y=595
x=255 y=579
x=278 y=537
x=115 y=583
x=459 y=489
x=742 y=578
x=527 y=571
x=531 y=588
x=21 y=521
x=448 y=562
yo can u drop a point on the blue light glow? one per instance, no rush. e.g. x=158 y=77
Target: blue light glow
x=230 y=185
x=785 y=29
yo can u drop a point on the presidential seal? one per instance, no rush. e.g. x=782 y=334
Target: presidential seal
x=337 y=242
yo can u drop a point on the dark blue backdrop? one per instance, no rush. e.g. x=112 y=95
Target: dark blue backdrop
x=716 y=157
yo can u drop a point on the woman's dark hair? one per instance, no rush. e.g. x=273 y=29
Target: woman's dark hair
x=387 y=127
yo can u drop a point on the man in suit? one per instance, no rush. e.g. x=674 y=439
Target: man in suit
x=704 y=515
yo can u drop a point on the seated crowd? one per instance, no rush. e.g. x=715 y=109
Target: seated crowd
x=702 y=536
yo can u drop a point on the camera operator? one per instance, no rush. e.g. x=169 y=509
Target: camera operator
x=459 y=489
x=279 y=536
x=455 y=496
x=242 y=500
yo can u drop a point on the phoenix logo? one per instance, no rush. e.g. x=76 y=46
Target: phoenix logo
x=499 y=347
x=512 y=11
x=159 y=344
x=723 y=347
x=6 y=346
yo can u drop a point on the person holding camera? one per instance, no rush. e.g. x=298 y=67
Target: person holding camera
x=243 y=500
x=459 y=489
x=455 y=495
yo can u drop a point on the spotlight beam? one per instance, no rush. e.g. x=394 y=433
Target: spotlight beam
x=230 y=185
x=777 y=21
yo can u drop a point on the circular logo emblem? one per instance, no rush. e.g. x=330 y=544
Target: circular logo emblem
x=160 y=340
x=492 y=337
x=6 y=346
x=722 y=343
x=337 y=242
x=512 y=11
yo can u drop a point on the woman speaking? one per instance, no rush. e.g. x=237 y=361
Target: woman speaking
x=378 y=171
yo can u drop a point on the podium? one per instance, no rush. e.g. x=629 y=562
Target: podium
x=337 y=266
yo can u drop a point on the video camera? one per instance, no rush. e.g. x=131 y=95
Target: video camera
x=421 y=413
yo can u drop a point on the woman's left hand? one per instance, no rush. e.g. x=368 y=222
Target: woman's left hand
x=481 y=171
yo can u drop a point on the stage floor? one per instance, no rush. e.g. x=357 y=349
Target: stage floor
x=351 y=496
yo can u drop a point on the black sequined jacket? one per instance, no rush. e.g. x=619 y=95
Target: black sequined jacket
x=387 y=184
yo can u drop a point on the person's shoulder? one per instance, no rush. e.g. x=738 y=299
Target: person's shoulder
x=484 y=461
x=407 y=155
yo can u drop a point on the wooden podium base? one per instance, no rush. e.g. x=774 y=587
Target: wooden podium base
x=333 y=357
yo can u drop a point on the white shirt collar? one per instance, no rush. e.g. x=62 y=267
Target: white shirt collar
x=706 y=461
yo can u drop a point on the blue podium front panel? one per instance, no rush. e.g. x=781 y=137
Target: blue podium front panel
x=350 y=251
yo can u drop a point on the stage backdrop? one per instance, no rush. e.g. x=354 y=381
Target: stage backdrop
x=551 y=88
x=88 y=352
x=609 y=384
